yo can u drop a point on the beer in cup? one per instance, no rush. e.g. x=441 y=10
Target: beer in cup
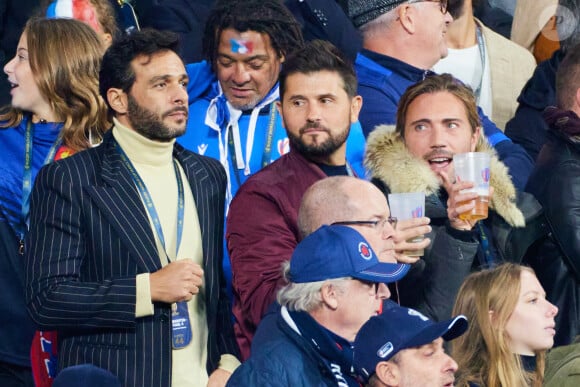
x=474 y=167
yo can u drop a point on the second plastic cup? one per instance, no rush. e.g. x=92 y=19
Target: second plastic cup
x=474 y=167
x=406 y=206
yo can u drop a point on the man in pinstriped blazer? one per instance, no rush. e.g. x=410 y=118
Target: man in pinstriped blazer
x=123 y=257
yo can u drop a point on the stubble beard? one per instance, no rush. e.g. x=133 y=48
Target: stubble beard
x=150 y=125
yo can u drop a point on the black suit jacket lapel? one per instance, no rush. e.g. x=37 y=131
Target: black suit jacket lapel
x=119 y=200
x=195 y=175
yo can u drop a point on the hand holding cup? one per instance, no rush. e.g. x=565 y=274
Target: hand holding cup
x=473 y=167
x=409 y=206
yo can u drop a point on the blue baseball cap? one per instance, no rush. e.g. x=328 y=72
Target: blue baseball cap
x=340 y=251
x=396 y=329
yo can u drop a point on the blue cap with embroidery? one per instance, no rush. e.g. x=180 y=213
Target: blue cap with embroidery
x=396 y=329
x=340 y=251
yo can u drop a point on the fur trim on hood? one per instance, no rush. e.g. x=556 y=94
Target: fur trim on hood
x=388 y=159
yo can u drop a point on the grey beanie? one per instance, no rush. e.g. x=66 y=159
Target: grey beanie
x=364 y=11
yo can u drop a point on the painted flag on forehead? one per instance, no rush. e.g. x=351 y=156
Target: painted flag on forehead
x=81 y=10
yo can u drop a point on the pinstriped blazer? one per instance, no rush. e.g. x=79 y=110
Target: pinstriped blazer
x=89 y=238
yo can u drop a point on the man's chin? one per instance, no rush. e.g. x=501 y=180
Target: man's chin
x=179 y=132
x=243 y=103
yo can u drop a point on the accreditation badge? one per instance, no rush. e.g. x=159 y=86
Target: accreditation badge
x=181 y=326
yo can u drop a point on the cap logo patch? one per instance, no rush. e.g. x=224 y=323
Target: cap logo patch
x=365 y=252
x=385 y=350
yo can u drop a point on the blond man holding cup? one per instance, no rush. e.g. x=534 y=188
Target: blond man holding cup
x=437 y=119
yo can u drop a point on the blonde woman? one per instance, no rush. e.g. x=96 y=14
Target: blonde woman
x=55 y=110
x=511 y=325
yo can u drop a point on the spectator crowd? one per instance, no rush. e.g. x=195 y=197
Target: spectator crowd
x=202 y=193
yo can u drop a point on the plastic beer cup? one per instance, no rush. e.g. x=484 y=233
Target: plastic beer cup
x=474 y=167
x=406 y=206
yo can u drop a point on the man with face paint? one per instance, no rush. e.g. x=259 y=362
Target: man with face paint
x=132 y=280
x=318 y=103
x=234 y=119
x=494 y=67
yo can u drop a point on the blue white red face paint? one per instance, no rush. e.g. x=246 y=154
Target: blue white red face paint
x=241 y=46
x=81 y=10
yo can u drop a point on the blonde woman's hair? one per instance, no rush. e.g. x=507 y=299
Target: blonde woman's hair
x=65 y=57
x=483 y=353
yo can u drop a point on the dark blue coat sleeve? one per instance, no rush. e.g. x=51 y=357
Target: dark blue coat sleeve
x=517 y=160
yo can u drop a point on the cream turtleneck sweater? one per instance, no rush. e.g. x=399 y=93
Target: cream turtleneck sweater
x=153 y=161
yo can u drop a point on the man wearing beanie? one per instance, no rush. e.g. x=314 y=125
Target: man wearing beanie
x=402 y=41
x=403 y=348
x=335 y=284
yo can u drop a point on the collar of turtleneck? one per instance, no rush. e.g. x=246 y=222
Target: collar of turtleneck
x=140 y=149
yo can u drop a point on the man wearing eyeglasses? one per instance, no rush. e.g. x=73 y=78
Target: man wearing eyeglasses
x=335 y=284
x=318 y=103
x=361 y=205
x=402 y=41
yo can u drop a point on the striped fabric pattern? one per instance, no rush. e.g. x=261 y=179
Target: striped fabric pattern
x=89 y=238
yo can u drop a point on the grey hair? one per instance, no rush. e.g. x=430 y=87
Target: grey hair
x=304 y=297
x=376 y=26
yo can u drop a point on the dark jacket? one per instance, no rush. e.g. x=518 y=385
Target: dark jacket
x=556 y=184
x=433 y=282
x=281 y=356
x=382 y=82
x=528 y=127
x=85 y=249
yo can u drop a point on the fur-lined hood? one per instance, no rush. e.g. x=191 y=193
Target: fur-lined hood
x=388 y=159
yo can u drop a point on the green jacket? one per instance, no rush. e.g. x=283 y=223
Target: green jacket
x=563 y=366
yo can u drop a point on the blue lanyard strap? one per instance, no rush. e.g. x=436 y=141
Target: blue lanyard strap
x=144 y=192
x=269 y=136
x=27 y=177
x=266 y=155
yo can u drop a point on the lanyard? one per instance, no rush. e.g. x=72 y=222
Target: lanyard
x=27 y=178
x=150 y=206
x=481 y=46
x=267 y=145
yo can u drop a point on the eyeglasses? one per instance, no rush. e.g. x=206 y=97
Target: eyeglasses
x=372 y=223
x=442 y=4
x=369 y=284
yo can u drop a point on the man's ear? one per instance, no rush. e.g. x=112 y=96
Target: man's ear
x=406 y=16
x=475 y=138
x=279 y=108
x=329 y=294
x=355 y=106
x=118 y=100
x=107 y=39
x=389 y=373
